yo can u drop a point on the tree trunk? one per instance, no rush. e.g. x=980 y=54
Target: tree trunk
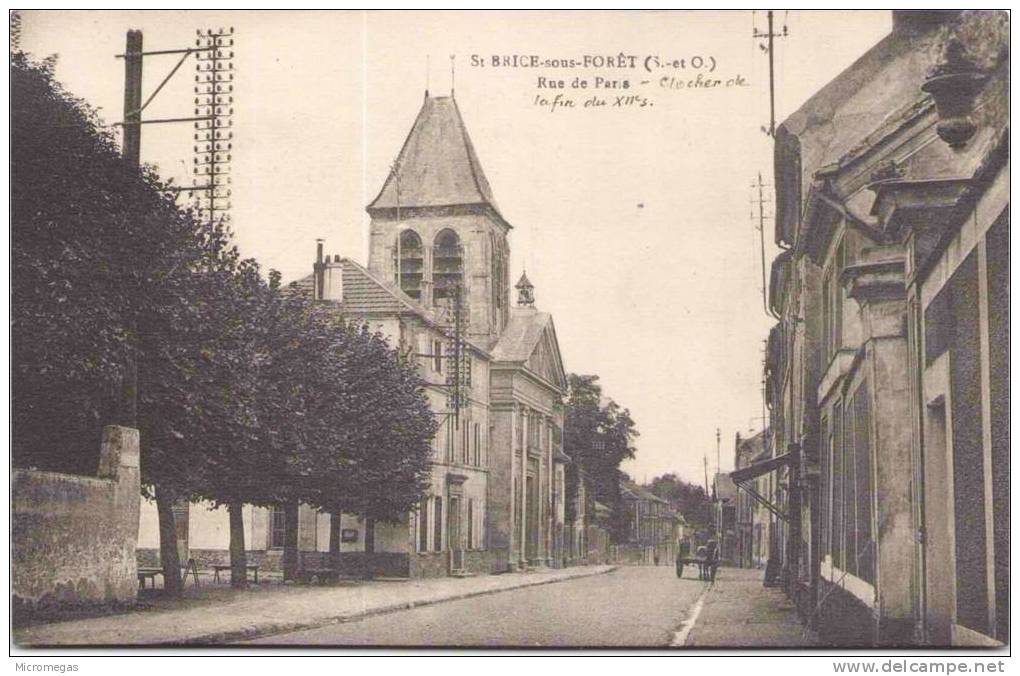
x=369 y=535
x=334 y=540
x=168 y=543
x=291 y=562
x=369 y=547
x=238 y=559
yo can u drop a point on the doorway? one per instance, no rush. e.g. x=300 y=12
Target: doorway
x=453 y=535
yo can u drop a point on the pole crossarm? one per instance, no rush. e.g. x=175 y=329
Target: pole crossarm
x=162 y=121
x=166 y=79
x=186 y=50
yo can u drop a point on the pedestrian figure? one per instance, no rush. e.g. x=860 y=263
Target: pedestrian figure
x=702 y=555
x=711 y=559
x=683 y=552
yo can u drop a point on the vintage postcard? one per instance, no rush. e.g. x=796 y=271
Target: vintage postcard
x=674 y=330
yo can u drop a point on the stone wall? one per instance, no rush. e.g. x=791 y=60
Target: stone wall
x=73 y=537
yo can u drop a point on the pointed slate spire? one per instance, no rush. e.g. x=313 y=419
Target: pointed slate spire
x=437 y=165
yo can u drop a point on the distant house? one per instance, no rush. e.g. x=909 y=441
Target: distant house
x=651 y=523
x=752 y=518
x=725 y=504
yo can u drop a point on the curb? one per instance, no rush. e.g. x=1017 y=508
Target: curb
x=264 y=630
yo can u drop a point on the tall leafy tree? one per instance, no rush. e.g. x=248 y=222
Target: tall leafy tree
x=687 y=498
x=245 y=393
x=599 y=434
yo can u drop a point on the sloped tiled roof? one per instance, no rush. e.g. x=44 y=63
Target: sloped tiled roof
x=725 y=489
x=635 y=492
x=364 y=293
x=304 y=286
x=521 y=335
x=437 y=165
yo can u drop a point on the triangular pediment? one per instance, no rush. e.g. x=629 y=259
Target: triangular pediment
x=545 y=360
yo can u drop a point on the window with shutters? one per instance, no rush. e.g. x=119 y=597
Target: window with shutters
x=477 y=445
x=423 y=526
x=437 y=523
x=849 y=491
x=451 y=438
x=825 y=439
x=277 y=527
x=437 y=356
x=836 y=520
x=864 y=484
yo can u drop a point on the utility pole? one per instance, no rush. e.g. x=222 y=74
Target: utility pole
x=770 y=36
x=213 y=112
x=131 y=150
x=127 y=405
x=706 y=475
x=213 y=109
x=718 y=445
x=761 y=202
x=395 y=170
x=764 y=396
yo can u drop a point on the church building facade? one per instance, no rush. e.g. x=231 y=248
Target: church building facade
x=437 y=283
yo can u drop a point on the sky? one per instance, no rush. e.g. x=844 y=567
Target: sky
x=635 y=223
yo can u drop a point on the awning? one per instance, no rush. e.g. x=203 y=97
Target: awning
x=742 y=477
x=759 y=468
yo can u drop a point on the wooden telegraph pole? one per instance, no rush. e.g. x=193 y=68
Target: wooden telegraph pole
x=127 y=405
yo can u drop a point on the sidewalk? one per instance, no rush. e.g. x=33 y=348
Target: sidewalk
x=224 y=615
x=738 y=612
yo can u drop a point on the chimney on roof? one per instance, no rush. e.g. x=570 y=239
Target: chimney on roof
x=318 y=268
x=333 y=280
x=328 y=275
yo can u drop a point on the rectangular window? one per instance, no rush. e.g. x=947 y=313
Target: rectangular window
x=972 y=593
x=849 y=490
x=437 y=356
x=465 y=450
x=837 y=298
x=470 y=523
x=827 y=316
x=437 y=523
x=423 y=526
x=423 y=349
x=277 y=527
x=837 y=487
x=865 y=490
x=826 y=480
x=478 y=444
x=997 y=247
x=450 y=439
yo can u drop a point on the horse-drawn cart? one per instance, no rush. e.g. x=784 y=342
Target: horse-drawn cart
x=706 y=561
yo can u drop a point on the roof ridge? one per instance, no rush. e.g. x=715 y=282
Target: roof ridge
x=400 y=153
x=397 y=294
x=473 y=160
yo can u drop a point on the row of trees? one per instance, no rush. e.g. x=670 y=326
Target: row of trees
x=598 y=435
x=244 y=391
x=689 y=499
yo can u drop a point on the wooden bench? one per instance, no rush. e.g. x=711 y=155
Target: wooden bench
x=149 y=573
x=217 y=567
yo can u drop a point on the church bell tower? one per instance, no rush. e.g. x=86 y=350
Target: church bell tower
x=436 y=230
